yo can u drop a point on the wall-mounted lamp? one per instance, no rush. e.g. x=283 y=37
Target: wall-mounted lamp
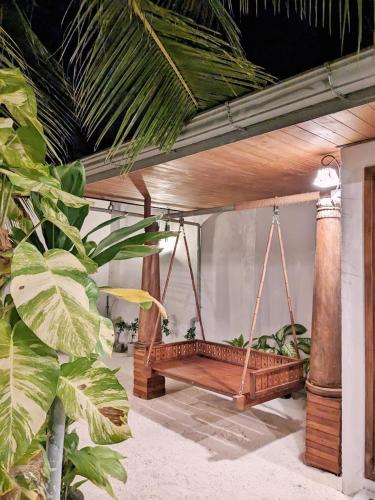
x=328 y=177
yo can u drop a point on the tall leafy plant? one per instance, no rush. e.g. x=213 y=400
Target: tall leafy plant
x=48 y=300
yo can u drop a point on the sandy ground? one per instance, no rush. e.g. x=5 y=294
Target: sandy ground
x=191 y=444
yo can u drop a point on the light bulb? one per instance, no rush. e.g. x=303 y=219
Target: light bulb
x=327 y=178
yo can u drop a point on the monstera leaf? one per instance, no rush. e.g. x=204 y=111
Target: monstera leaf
x=90 y=391
x=98 y=464
x=28 y=379
x=49 y=293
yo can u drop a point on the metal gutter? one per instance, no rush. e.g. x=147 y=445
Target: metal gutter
x=348 y=82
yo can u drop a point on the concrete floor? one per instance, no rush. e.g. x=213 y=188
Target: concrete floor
x=191 y=444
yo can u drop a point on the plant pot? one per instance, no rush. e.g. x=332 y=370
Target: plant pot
x=130 y=350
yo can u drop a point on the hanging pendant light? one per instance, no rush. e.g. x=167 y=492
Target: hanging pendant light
x=328 y=177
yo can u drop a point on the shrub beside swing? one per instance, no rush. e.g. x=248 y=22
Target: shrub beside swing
x=248 y=376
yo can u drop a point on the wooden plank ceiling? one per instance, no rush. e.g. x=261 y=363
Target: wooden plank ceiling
x=278 y=163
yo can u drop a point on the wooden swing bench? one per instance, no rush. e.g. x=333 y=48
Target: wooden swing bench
x=248 y=376
x=218 y=368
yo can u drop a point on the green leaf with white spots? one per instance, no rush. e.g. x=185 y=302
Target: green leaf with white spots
x=90 y=391
x=50 y=296
x=289 y=349
x=29 y=372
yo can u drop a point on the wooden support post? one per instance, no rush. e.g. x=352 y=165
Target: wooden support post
x=323 y=424
x=146 y=384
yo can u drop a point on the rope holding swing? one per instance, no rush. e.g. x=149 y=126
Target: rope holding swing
x=181 y=229
x=197 y=303
x=275 y=222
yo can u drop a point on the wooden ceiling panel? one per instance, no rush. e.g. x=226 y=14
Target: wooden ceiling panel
x=278 y=163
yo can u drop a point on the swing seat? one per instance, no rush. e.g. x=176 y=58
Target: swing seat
x=218 y=368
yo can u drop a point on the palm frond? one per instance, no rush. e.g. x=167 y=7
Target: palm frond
x=20 y=47
x=211 y=13
x=146 y=71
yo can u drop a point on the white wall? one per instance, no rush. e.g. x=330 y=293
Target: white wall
x=228 y=245
x=355 y=159
x=179 y=300
x=233 y=247
x=92 y=220
x=298 y=234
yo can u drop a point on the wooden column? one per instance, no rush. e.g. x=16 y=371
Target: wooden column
x=323 y=425
x=146 y=384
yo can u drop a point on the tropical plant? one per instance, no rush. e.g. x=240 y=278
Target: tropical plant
x=94 y=463
x=141 y=69
x=165 y=328
x=191 y=333
x=137 y=68
x=281 y=343
x=48 y=299
x=238 y=342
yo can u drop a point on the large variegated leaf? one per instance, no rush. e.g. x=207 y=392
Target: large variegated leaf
x=104 y=345
x=46 y=186
x=97 y=464
x=29 y=372
x=49 y=293
x=90 y=391
x=54 y=215
x=141 y=297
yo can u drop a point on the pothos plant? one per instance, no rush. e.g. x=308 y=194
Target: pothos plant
x=48 y=306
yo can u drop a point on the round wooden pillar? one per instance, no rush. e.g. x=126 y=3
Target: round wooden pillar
x=148 y=385
x=323 y=425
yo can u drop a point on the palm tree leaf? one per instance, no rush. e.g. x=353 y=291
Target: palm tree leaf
x=20 y=47
x=146 y=71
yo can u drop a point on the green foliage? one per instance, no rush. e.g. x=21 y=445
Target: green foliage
x=28 y=380
x=165 y=329
x=144 y=63
x=282 y=343
x=191 y=333
x=279 y=343
x=95 y=463
x=237 y=342
x=90 y=391
x=51 y=307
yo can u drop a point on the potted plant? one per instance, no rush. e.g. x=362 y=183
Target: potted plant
x=132 y=329
x=120 y=327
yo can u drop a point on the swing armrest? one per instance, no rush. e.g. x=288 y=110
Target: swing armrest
x=277 y=368
x=276 y=378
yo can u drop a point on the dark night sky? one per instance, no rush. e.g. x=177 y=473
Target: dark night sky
x=283 y=46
